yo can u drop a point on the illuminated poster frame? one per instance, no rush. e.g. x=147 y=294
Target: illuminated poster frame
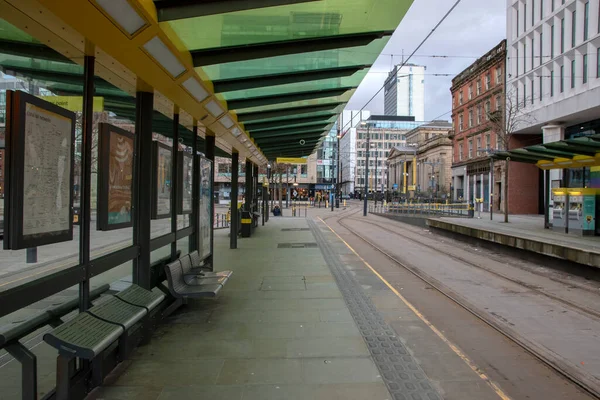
x=205 y=208
x=185 y=171
x=161 y=175
x=37 y=133
x=107 y=162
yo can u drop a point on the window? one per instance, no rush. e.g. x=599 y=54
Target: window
x=517 y=97
x=598 y=63
x=460 y=122
x=541 y=87
x=562 y=35
x=498 y=75
x=488 y=141
x=478 y=87
x=541 y=48
x=479 y=114
x=498 y=102
x=524 y=17
x=470 y=118
x=562 y=78
x=573 y=28
x=460 y=151
x=460 y=99
x=517 y=61
x=525 y=57
x=525 y=94
x=532 y=12
x=541 y=9
x=488 y=81
x=470 y=92
x=552 y=5
x=303 y=169
x=585 y=68
x=470 y=148
x=552 y=41
x=532 y=90
x=586 y=17
x=488 y=107
x=517 y=24
x=551 y=83
x=572 y=74
x=224 y=168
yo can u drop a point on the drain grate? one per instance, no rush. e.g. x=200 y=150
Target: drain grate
x=296 y=245
x=295 y=229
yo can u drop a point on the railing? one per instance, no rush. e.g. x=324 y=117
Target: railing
x=414 y=209
x=222 y=220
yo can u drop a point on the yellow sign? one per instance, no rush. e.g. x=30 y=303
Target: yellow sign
x=286 y=160
x=74 y=103
x=412 y=188
x=265 y=182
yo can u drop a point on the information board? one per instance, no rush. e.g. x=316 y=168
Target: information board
x=115 y=177
x=161 y=198
x=40 y=159
x=206 y=208
x=185 y=175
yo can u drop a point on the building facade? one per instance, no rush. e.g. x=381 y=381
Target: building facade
x=404 y=92
x=386 y=132
x=478 y=95
x=350 y=119
x=554 y=73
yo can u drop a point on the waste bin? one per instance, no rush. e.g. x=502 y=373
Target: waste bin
x=246 y=223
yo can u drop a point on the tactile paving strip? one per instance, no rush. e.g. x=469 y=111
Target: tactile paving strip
x=401 y=373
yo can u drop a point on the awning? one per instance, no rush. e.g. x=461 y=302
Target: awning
x=282 y=70
x=569 y=153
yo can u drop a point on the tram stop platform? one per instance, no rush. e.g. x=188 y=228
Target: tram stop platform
x=301 y=318
x=525 y=232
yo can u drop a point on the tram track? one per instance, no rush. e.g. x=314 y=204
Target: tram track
x=585 y=381
x=586 y=310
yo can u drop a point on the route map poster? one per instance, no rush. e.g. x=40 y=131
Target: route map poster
x=115 y=177
x=40 y=146
x=206 y=208
x=162 y=181
x=185 y=183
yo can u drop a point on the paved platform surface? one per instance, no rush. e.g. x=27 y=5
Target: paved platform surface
x=525 y=232
x=294 y=323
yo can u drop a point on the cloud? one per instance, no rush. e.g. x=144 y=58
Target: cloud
x=473 y=28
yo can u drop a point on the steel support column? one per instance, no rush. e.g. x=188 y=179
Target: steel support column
x=174 y=185
x=193 y=239
x=233 y=223
x=248 y=186
x=255 y=185
x=547 y=199
x=143 y=183
x=210 y=154
x=86 y=174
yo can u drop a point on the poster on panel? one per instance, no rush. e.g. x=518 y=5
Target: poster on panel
x=40 y=145
x=205 y=208
x=115 y=177
x=161 y=189
x=185 y=172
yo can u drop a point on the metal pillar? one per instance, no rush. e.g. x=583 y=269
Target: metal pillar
x=209 y=141
x=491 y=189
x=367 y=173
x=546 y=199
x=255 y=186
x=143 y=180
x=375 y=185
x=174 y=185
x=193 y=240
x=86 y=174
x=248 y=188
x=233 y=223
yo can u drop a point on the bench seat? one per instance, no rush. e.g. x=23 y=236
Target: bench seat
x=118 y=312
x=194 y=276
x=140 y=297
x=180 y=289
x=85 y=336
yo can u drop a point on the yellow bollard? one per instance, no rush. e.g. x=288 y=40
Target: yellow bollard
x=344 y=203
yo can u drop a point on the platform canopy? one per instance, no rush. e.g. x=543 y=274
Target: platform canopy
x=268 y=77
x=569 y=153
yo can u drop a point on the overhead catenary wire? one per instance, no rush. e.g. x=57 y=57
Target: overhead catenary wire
x=412 y=54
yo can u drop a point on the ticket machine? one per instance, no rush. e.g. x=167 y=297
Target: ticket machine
x=559 y=207
x=582 y=211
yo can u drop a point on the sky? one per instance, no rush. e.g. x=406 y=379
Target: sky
x=471 y=30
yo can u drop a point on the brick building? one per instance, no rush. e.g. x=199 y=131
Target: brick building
x=477 y=95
